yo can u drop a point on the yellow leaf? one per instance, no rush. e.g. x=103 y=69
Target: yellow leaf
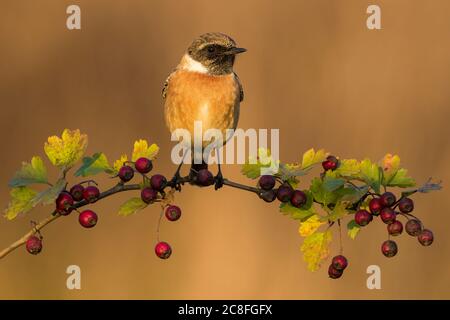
x=64 y=152
x=21 y=201
x=348 y=168
x=119 y=163
x=131 y=206
x=310 y=226
x=141 y=149
x=315 y=249
x=311 y=158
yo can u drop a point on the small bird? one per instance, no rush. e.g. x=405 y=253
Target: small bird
x=204 y=87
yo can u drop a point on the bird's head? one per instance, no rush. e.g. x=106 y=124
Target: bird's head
x=215 y=52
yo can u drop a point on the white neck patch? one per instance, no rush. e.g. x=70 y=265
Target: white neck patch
x=189 y=64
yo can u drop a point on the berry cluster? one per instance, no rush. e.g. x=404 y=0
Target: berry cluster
x=284 y=193
x=385 y=207
x=337 y=267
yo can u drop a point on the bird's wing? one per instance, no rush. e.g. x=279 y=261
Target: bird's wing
x=241 y=90
x=166 y=84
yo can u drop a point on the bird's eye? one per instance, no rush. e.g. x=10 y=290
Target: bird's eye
x=211 y=49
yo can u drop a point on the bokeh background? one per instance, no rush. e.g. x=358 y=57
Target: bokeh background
x=313 y=70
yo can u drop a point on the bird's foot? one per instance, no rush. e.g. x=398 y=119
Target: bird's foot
x=218 y=181
x=175 y=182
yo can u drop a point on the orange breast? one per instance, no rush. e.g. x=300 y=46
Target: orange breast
x=192 y=96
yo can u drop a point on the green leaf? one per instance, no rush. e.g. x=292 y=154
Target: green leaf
x=94 y=165
x=131 y=206
x=372 y=174
x=311 y=158
x=297 y=213
x=33 y=172
x=49 y=195
x=349 y=168
x=321 y=194
x=331 y=184
x=316 y=248
x=390 y=165
x=401 y=179
x=353 y=229
x=351 y=194
x=290 y=171
x=20 y=202
x=338 y=212
x=252 y=169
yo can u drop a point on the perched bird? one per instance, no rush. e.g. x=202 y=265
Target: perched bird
x=204 y=87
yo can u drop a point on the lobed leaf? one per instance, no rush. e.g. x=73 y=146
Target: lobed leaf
x=310 y=225
x=311 y=158
x=33 y=172
x=252 y=168
x=64 y=152
x=49 y=195
x=315 y=249
x=349 y=168
x=93 y=165
x=142 y=149
x=131 y=206
x=372 y=174
x=119 y=163
x=21 y=201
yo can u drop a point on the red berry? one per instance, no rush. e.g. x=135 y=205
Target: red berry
x=334 y=273
x=205 y=177
x=268 y=195
x=284 y=192
x=173 y=213
x=363 y=217
x=387 y=199
x=91 y=194
x=148 y=195
x=339 y=262
x=163 y=250
x=298 y=198
x=77 y=192
x=330 y=163
x=143 y=165
x=266 y=182
x=64 y=203
x=158 y=182
x=387 y=215
x=395 y=228
x=375 y=206
x=406 y=205
x=34 y=245
x=389 y=248
x=426 y=237
x=88 y=218
x=413 y=227
x=126 y=173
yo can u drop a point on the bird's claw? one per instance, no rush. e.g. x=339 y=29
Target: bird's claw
x=175 y=182
x=218 y=181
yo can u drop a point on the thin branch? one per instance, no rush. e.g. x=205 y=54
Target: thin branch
x=20 y=242
x=120 y=187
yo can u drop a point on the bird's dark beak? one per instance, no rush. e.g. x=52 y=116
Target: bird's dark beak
x=234 y=51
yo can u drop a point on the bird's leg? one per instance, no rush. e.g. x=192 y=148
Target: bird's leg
x=175 y=181
x=218 y=179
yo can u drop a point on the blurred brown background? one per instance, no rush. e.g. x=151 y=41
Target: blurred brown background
x=313 y=70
